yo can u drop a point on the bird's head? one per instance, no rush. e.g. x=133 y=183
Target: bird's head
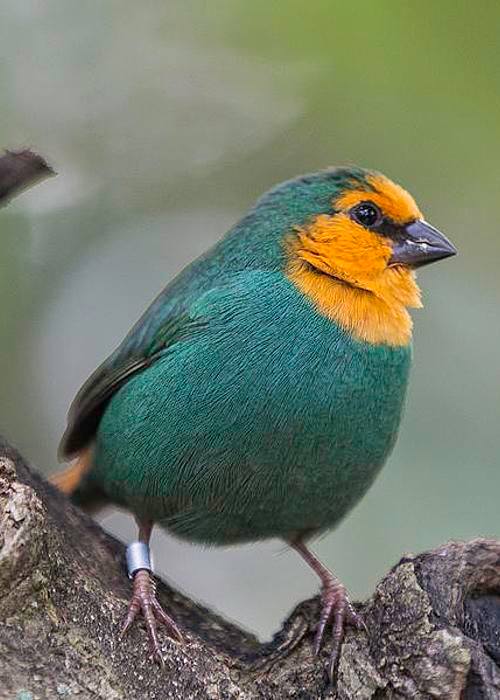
x=356 y=240
x=373 y=226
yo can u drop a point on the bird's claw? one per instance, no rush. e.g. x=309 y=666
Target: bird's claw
x=336 y=609
x=144 y=600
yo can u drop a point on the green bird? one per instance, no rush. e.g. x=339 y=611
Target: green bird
x=261 y=392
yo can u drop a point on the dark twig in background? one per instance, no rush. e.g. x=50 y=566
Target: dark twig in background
x=20 y=170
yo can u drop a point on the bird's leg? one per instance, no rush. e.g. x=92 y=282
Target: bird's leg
x=144 y=593
x=336 y=607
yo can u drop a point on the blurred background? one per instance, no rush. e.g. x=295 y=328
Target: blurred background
x=165 y=120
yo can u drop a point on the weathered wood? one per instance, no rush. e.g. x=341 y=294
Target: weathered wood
x=433 y=622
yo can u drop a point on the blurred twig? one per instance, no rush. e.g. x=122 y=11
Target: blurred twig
x=20 y=170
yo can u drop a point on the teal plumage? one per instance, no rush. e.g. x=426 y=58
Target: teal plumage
x=262 y=391
x=263 y=420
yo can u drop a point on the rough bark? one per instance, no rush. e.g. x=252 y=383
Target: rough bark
x=433 y=623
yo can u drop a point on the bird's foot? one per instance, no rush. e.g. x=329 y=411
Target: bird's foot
x=336 y=608
x=337 y=611
x=144 y=600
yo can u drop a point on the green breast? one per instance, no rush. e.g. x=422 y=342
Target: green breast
x=267 y=421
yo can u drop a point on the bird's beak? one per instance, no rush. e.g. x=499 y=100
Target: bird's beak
x=420 y=244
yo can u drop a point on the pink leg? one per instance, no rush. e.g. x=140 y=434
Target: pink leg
x=336 y=606
x=144 y=600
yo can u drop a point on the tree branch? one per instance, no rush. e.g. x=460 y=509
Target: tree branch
x=433 y=622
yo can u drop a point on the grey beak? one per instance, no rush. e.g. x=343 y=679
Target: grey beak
x=420 y=244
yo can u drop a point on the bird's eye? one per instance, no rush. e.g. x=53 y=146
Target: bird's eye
x=366 y=214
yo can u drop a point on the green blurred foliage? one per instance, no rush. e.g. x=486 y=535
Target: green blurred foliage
x=165 y=121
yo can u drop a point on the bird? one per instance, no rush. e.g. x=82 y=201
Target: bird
x=260 y=394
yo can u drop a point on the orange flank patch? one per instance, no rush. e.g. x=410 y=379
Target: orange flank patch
x=68 y=480
x=342 y=268
x=394 y=201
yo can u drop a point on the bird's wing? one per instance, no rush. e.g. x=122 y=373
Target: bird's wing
x=90 y=403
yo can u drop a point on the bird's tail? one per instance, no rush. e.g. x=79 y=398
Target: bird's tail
x=74 y=483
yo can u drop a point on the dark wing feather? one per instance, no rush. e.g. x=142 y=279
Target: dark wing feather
x=90 y=403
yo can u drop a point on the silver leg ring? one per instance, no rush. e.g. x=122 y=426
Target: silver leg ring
x=138 y=557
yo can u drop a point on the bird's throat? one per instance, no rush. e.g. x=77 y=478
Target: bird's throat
x=378 y=316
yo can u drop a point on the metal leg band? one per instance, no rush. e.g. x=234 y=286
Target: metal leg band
x=138 y=557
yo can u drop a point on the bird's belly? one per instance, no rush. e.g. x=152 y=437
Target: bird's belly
x=275 y=483
x=289 y=509
x=257 y=452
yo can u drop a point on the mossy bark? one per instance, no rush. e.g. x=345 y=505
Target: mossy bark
x=433 y=623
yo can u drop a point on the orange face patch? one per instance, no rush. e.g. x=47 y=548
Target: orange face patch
x=343 y=266
x=340 y=247
x=394 y=201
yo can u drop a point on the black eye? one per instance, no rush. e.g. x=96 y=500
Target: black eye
x=366 y=214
